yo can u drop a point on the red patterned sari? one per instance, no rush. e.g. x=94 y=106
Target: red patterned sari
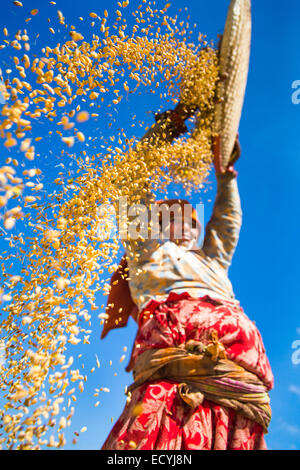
x=156 y=418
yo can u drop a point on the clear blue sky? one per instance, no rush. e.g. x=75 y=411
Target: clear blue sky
x=265 y=269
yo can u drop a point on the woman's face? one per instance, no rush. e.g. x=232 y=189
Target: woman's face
x=182 y=232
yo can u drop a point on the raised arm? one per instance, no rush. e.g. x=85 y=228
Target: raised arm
x=223 y=229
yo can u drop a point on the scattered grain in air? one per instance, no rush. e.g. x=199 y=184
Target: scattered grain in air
x=11 y=142
x=6 y=297
x=26 y=320
x=60 y=17
x=34 y=12
x=97 y=404
x=25 y=144
x=3 y=201
x=18 y=4
x=82 y=116
x=61 y=283
x=122 y=358
x=62 y=422
x=76 y=36
x=68 y=140
x=9 y=223
x=29 y=199
x=83 y=429
x=93 y=95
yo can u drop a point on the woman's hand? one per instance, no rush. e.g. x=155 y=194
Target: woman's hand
x=236 y=153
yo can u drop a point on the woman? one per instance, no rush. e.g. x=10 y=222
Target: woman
x=201 y=375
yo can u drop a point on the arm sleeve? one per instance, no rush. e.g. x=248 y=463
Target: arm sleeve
x=223 y=229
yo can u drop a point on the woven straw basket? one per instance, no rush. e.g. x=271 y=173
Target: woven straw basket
x=234 y=66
